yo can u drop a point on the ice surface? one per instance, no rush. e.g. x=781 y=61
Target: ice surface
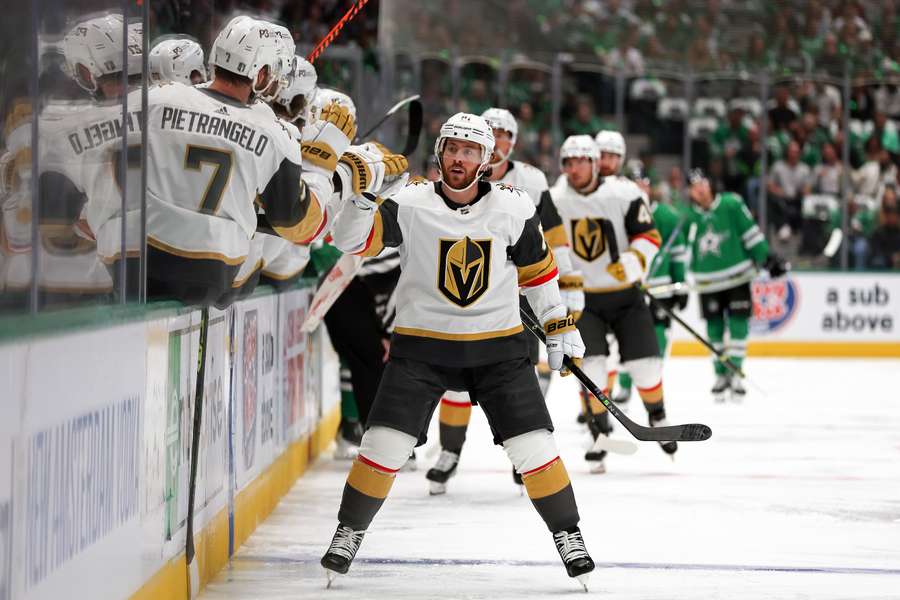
x=796 y=496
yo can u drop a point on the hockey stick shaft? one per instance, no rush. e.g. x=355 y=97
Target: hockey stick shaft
x=666 y=247
x=720 y=355
x=694 y=432
x=388 y=115
x=189 y=550
x=332 y=35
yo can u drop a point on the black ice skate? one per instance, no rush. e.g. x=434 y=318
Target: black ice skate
x=341 y=552
x=659 y=420
x=411 y=464
x=622 y=396
x=574 y=555
x=738 y=391
x=720 y=388
x=443 y=469
x=349 y=437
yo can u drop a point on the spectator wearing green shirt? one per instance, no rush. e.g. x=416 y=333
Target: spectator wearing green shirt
x=584 y=121
x=884 y=245
x=727 y=143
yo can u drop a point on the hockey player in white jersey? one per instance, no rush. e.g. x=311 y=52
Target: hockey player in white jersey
x=467 y=247
x=294 y=102
x=212 y=154
x=177 y=59
x=614 y=240
x=456 y=407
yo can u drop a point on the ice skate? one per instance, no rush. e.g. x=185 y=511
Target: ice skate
x=341 y=552
x=622 y=396
x=517 y=478
x=344 y=449
x=720 y=388
x=738 y=391
x=444 y=469
x=669 y=448
x=348 y=440
x=574 y=555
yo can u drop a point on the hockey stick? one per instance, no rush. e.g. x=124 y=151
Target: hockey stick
x=333 y=285
x=666 y=247
x=193 y=568
x=330 y=37
x=415 y=121
x=693 y=432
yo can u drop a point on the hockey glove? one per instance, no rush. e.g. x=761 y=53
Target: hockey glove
x=571 y=290
x=680 y=301
x=394 y=164
x=776 y=266
x=361 y=170
x=629 y=268
x=563 y=339
x=323 y=141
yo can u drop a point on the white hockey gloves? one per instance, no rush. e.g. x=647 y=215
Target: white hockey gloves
x=325 y=140
x=563 y=339
x=629 y=268
x=571 y=291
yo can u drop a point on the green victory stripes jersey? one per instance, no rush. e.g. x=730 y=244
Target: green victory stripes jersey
x=668 y=267
x=725 y=241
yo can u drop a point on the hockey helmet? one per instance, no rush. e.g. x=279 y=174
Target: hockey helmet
x=97 y=44
x=302 y=85
x=245 y=46
x=325 y=96
x=176 y=59
x=611 y=142
x=471 y=128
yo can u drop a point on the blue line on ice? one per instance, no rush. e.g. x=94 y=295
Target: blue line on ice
x=601 y=565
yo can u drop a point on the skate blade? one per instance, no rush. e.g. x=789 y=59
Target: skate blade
x=583 y=580
x=614 y=446
x=330 y=576
x=437 y=489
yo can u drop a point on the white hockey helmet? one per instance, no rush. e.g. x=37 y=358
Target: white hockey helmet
x=471 y=128
x=579 y=146
x=611 y=142
x=96 y=44
x=245 y=46
x=176 y=59
x=286 y=49
x=303 y=86
x=500 y=118
x=325 y=96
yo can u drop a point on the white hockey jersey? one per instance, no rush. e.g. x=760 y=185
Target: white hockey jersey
x=601 y=225
x=461 y=270
x=209 y=157
x=534 y=182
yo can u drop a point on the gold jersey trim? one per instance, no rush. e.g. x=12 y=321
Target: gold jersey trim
x=458 y=337
x=151 y=241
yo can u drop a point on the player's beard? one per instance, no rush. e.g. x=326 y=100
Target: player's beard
x=457 y=176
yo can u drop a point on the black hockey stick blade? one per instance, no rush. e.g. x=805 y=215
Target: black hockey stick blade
x=387 y=115
x=414 y=130
x=693 y=432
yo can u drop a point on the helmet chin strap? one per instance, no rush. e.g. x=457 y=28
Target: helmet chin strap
x=595 y=172
x=503 y=158
x=463 y=189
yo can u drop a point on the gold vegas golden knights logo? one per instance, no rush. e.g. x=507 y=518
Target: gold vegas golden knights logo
x=587 y=238
x=464 y=269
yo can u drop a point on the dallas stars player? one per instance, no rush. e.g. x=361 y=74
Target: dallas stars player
x=668 y=267
x=604 y=215
x=466 y=248
x=456 y=407
x=727 y=246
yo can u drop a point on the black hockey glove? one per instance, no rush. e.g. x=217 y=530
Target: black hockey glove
x=776 y=266
x=681 y=301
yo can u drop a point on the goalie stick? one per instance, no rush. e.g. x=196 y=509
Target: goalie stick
x=693 y=432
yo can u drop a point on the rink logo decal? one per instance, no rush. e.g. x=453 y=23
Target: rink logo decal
x=249 y=383
x=464 y=269
x=587 y=238
x=774 y=304
x=82 y=482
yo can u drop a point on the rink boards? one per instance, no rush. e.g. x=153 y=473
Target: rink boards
x=814 y=314
x=95 y=432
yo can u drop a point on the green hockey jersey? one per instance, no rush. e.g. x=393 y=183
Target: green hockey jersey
x=668 y=267
x=725 y=242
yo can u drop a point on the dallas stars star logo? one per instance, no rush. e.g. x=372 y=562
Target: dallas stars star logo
x=711 y=243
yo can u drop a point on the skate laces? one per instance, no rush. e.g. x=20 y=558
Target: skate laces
x=570 y=545
x=346 y=542
x=446 y=461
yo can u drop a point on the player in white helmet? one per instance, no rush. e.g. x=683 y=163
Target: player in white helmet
x=177 y=59
x=611 y=145
x=464 y=243
x=325 y=96
x=294 y=102
x=614 y=241
x=456 y=408
x=228 y=152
